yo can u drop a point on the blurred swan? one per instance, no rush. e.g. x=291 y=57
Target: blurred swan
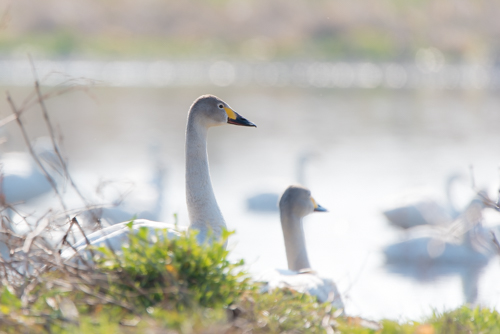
x=204 y=214
x=125 y=211
x=296 y=203
x=465 y=241
x=425 y=211
x=268 y=201
x=22 y=180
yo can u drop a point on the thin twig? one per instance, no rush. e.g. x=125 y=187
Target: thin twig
x=495 y=240
x=33 y=154
x=53 y=140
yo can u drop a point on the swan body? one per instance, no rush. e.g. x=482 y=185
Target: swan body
x=419 y=210
x=296 y=203
x=22 y=180
x=204 y=214
x=305 y=281
x=116 y=235
x=427 y=250
x=464 y=242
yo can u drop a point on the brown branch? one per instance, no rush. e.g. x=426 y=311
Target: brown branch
x=32 y=152
x=55 y=147
x=495 y=240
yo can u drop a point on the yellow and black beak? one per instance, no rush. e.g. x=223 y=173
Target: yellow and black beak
x=234 y=118
x=318 y=207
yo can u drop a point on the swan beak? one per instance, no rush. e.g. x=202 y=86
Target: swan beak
x=318 y=207
x=234 y=118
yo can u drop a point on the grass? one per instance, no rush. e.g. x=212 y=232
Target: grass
x=156 y=284
x=67 y=43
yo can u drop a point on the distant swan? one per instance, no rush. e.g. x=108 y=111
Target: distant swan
x=425 y=211
x=123 y=211
x=204 y=213
x=296 y=203
x=21 y=178
x=268 y=201
x=464 y=242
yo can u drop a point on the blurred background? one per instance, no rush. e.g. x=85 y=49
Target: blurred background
x=387 y=111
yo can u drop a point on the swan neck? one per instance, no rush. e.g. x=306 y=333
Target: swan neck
x=295 y=243
x=204 y=213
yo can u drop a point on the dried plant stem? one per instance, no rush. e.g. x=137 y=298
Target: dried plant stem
x=33 y=154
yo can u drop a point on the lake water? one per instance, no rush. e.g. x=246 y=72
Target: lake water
x=368 y=146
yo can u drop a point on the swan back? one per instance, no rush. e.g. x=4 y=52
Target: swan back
x=115 y=236
x=303 y=282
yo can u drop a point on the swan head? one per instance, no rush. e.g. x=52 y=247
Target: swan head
x=297 y=200
x=211 y=111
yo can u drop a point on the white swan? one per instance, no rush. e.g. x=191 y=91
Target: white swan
x=21 y=178
x=204 y=213
x=420 y=210
x=465 y=242
x=111 y=215
x=296 y=203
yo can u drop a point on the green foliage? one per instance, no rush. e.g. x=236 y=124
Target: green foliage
x=466 y=320
x=393 y=327
x=8 y=301
x=285 y=311
x=177 y=271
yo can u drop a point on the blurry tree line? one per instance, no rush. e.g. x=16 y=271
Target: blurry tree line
x=464 y=30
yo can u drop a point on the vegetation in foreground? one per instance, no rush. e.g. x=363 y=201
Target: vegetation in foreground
x=161 y=285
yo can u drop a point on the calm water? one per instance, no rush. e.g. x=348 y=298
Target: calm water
x=367 y=147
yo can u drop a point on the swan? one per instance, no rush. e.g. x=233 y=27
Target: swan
x=204 y=214
x=268 y=201
x=465 y=242
x=22 y=180
x=425 y=211
x=122 y=212
x=296 y=203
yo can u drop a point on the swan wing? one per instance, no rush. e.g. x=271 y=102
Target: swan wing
x=115 y=236
x=323 y=288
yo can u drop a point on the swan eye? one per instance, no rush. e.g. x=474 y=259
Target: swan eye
x=221 y=106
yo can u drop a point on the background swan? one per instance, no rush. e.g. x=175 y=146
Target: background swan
x=22 y=181
x=268 y=201
x=420 y=210
x=204 y=214
x=125 y=210
x=465 y=241
x=296 y=203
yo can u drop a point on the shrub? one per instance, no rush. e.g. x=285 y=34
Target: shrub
x=176 y=272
